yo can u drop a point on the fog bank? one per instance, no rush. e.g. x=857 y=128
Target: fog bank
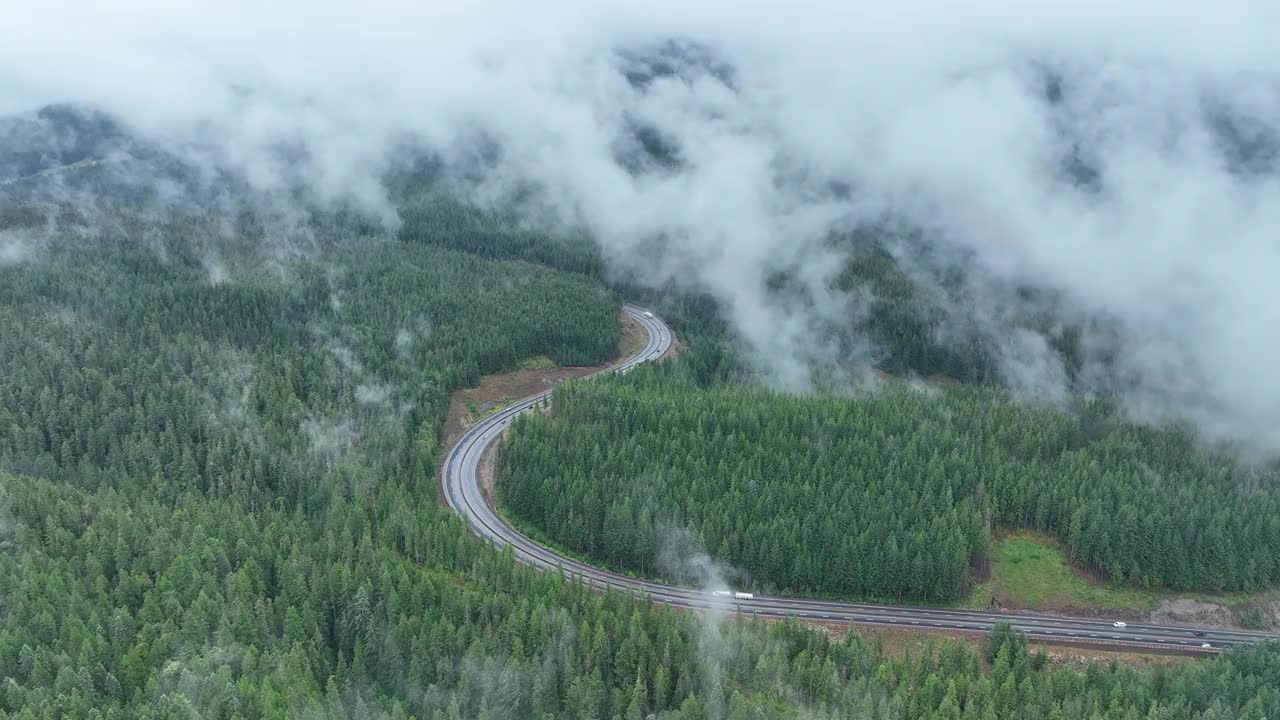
x=1120 y=156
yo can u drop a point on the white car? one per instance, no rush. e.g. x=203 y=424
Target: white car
x=648 y=314
x=743 y=596
x=1118 y=623
x=1205 y=645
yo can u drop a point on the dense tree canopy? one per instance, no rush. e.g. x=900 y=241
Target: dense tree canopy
x=439 y=219
x=218 y=499
x=132 y=608
x=891 y=494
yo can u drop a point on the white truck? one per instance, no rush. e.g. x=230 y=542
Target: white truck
x=735 y=594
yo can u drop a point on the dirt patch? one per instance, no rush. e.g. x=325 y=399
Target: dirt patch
x=488 y=478
x=1083 y=657
x=1185 y=611
x=675 y=349
x=633 y=338
x=1271 y=613
x=897 y=642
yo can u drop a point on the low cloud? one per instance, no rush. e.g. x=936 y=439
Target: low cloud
x=331 y=438
x=682 y=559
x=14 y=249
x=1121 y=155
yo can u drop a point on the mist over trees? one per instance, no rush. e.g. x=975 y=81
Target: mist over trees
x=220 y=422
x=218 y=497
x=1118 y=158
x=230 y=478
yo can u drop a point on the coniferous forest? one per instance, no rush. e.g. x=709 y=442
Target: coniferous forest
x=892 y=494
x=218 y=500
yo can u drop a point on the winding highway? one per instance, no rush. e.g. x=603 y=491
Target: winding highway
x=461 y=484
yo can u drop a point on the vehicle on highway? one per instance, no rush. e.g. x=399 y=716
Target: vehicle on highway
x=1198 y=633
x=721 y=593
x=1118 y=623
x=648 y=314
x=1205 y=645
x=743 y=596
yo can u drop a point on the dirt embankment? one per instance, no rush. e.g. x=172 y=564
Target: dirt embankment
x=488 y=475
x=1257 y=613
x=897 y=642
x=1185 y=611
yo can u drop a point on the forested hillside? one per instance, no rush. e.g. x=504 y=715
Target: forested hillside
x=143 y=609
x=223 y=490
x=891 y=494
x=909 y=323
x=218 y=500
x=441 y=219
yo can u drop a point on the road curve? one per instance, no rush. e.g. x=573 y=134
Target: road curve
x=461 y=483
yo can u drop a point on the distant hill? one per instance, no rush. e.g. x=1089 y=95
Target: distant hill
x=57 y=136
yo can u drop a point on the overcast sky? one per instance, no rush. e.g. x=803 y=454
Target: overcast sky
x=932 y=111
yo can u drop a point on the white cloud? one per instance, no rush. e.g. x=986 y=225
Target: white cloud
x=929 y=110
x=14 y=248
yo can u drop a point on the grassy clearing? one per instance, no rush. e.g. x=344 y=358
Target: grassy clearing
x=538 y=362
x=1031 y=572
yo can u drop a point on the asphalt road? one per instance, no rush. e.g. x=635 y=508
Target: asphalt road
x=462 y=491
